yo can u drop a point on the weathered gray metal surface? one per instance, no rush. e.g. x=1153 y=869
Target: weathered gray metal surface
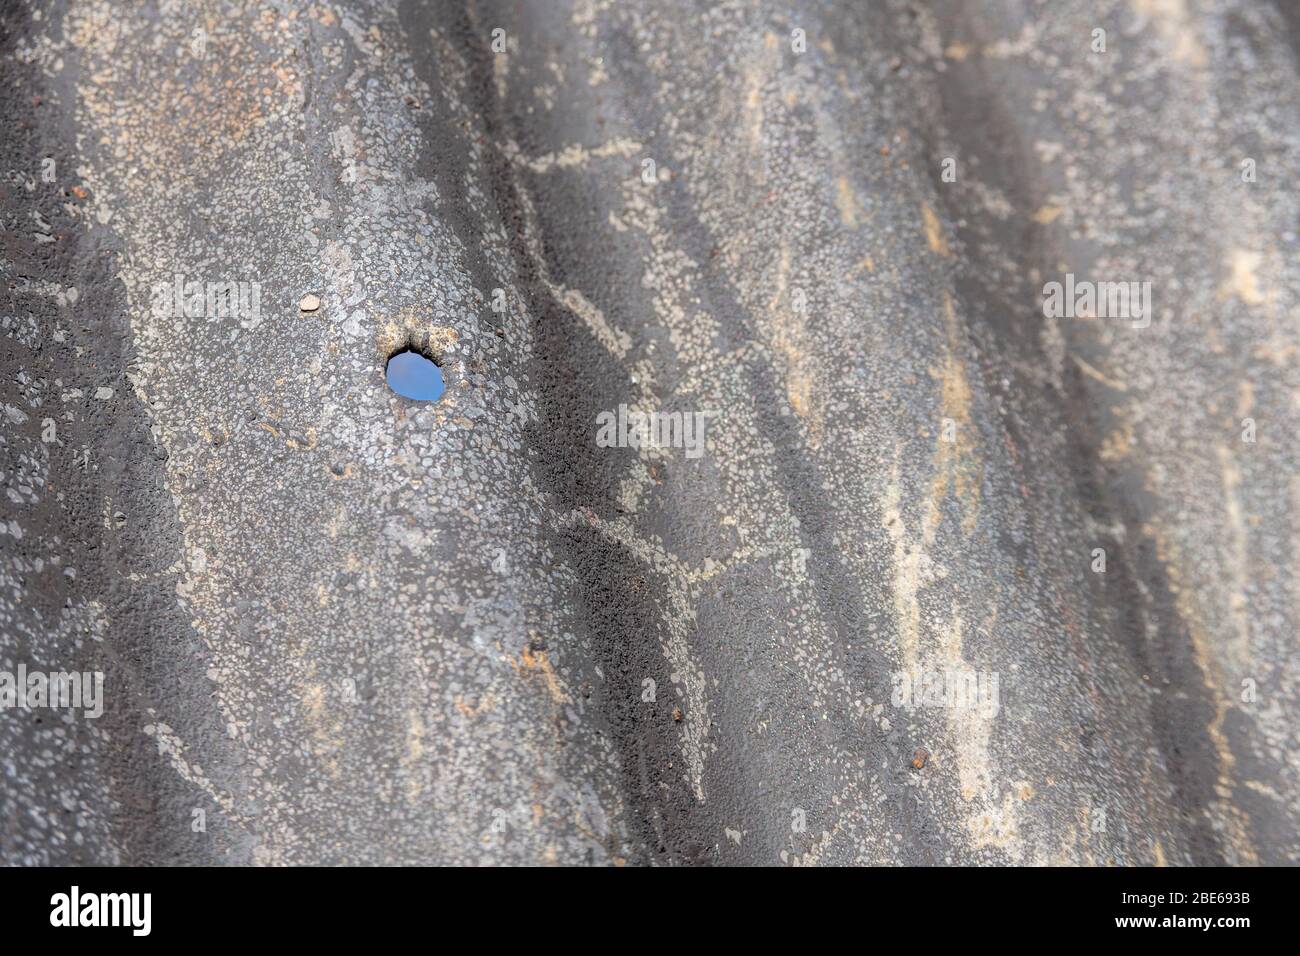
x=352 y=629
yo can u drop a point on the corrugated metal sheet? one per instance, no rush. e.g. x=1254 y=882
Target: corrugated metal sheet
x=338 y=626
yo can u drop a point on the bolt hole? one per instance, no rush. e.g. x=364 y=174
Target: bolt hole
x=414 y=375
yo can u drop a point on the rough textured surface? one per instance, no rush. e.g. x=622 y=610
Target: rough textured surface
x=350 y=628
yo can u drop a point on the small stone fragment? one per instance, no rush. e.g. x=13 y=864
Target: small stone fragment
x=309 y=303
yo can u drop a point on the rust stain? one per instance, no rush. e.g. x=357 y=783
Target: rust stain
x=934 y=235
x=847 y=202
x=1243 y=282
x=538 y=661
x=957 y=464
x=1046 y=215
x=1236 y=825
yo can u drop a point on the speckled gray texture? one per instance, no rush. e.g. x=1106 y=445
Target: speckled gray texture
x=350 y=628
